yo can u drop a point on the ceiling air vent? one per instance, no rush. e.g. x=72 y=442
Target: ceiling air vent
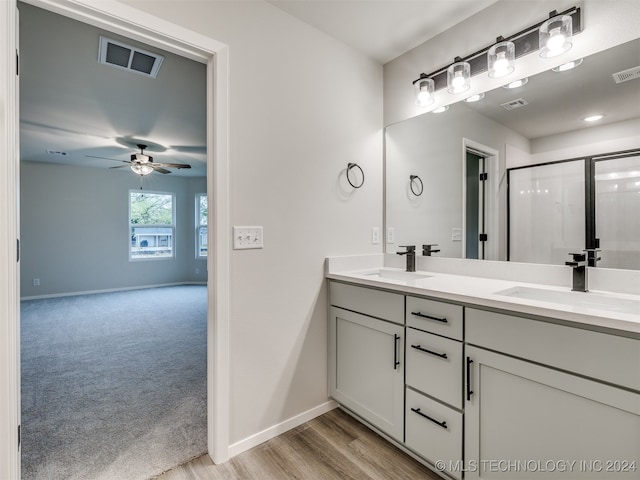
x=626 y=75
x=513 y=104
x=127 y=57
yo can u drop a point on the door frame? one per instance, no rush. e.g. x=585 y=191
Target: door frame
x=141 y=26
x=492 y=196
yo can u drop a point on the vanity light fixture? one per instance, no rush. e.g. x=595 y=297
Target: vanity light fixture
x=474 y=98
x=501 y=58
x=568 y=66
x=517 y=83
x=551 y=36
x=555 y=35
x=459 y=76
x=424 y=91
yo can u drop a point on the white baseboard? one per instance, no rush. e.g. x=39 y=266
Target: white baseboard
x=272 y=432
x=109 y=290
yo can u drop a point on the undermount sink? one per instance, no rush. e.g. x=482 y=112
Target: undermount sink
x=581 y=299
x=396 y=274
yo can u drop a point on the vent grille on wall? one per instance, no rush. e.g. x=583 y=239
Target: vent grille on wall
x=626 y=75
x=513 y=104
x=127 y=57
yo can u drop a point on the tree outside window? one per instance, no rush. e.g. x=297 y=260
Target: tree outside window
x=152 y=225
x=202 y=213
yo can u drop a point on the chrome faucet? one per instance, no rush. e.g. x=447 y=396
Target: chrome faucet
x=580 y=278
x=427 y=250
x=411 y=257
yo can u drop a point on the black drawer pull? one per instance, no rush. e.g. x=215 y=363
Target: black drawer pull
x=469 y=391
x=423 y=315
x=418 y=347
x=396 y=362
x=443 y=424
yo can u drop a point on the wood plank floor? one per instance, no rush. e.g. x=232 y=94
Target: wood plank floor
x=333 y=446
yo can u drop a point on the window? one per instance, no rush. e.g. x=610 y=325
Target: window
x=152 y=225
x=202 y=211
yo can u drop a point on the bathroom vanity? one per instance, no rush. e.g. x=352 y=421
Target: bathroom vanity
x=489 y=378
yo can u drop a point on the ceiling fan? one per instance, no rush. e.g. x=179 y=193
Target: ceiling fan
x=143 y=164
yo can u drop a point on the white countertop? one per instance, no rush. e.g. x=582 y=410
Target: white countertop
x=481 y=291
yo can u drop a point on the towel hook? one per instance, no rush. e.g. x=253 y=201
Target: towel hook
x=349 y=167
x=412 y=181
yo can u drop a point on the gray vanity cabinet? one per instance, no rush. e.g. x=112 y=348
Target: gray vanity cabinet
x=543 y=419
x=366 y=357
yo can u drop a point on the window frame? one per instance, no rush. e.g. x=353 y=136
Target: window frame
x=172 y=226
x=199 y=227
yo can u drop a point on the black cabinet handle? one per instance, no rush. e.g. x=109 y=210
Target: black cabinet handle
x=418 y=347
x=442 y=424
x=423 y=315
x=469 y=391
x=396 y=362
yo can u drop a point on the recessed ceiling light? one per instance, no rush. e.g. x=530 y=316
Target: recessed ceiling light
x=517 y=83
x=593 y=118
x=440 y=109
x=474 y=98
x=568 y=66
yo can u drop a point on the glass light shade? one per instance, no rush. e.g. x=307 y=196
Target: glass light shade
x=568 y=66
x=474 y=98
x=501 y=59
x=517 y=83
x=424 y=88
x=142 y=169
x=459 y=77
x=555 y=36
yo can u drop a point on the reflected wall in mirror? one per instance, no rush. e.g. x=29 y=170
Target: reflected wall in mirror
x=537 y=123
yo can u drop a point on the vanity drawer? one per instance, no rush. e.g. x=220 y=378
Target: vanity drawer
x=602 y=356
x=436 y=317
x=376 y=303
x=433 y=430
x=434 y=366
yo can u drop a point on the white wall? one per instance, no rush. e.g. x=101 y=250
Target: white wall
x=302 y=105
x=74 y=230
x=606 y=24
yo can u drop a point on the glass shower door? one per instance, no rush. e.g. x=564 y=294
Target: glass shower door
x=617 y=184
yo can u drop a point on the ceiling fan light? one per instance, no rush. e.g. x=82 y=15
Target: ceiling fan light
x=142 y=169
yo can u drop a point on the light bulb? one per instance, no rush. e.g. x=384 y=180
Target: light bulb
x=424 y=88
x=458 y=81
x=556 y=41
x=501 y=64
x=424 y=97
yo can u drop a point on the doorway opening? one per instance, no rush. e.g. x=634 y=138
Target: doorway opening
x=480 y=201
x=154 y=31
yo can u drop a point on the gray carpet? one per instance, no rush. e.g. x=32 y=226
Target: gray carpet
x=114 y=384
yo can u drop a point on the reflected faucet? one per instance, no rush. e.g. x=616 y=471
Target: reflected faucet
x=580 y=279
x=427 y=250
x=411 y=257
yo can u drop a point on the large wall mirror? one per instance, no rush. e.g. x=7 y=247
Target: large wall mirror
x=520 y=175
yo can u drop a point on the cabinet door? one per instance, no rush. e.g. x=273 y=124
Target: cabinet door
x=524 y=420
x=367 y=369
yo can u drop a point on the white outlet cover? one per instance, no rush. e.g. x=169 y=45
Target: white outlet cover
x=375 y=236
x=391 y=235
x=245 y=238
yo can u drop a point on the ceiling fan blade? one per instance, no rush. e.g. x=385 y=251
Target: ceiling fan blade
x=158 y=168
x=105 y=158
x=118 y=166
x=175 y=165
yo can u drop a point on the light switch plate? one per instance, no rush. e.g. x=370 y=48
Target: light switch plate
x=375 y=236
x=456 y=234
x=247 y=237
x=391 y=235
